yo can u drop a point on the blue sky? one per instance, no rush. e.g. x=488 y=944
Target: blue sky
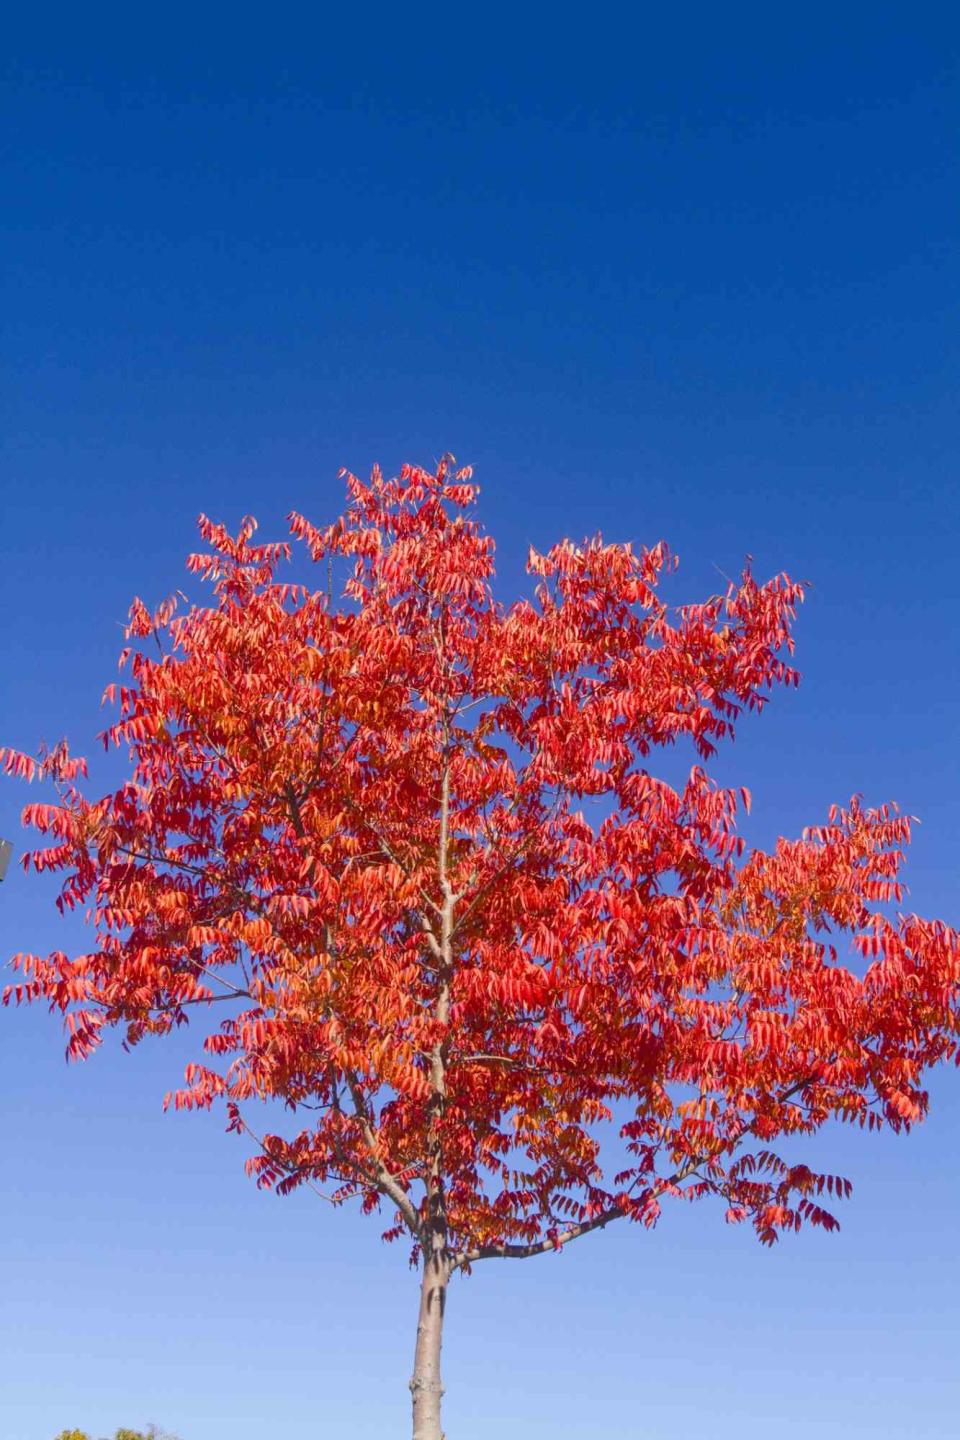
x=690 y=276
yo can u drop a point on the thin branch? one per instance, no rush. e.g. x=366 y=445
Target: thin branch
x=385 y=1181
x=615 y=1211
x=509 y=1060
x=283 y=1164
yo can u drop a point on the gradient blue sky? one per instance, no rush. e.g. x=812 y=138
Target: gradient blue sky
x=691 y=277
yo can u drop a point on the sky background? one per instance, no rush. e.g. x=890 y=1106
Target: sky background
x=690 y=276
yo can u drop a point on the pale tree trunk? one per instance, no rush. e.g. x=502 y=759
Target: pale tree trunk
x=425 y=1384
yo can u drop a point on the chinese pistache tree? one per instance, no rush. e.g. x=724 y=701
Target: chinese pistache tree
x=403 y=850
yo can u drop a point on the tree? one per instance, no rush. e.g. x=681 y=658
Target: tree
x=406 y=846
x=151 y=1433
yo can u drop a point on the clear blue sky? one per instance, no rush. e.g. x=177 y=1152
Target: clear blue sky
x=691 y=277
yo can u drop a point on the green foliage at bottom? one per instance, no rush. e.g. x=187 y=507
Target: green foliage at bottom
x=151 y=1433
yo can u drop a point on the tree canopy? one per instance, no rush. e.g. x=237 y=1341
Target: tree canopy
x=407 y=843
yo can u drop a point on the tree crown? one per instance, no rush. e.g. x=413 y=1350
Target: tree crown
x=405 y=844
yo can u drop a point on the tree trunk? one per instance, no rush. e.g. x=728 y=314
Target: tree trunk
x=425 y=1384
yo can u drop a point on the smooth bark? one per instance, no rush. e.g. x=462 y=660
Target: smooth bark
x=426 y=1386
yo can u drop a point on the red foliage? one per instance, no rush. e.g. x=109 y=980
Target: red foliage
x=409 y=846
